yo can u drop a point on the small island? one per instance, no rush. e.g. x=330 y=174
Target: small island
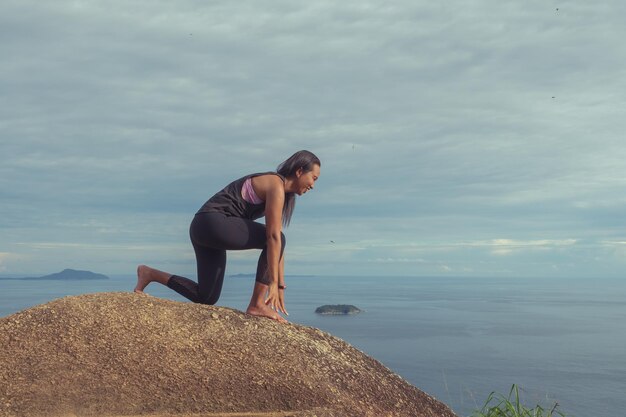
x=337 y=310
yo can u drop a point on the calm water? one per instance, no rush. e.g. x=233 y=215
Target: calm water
x=457 y=339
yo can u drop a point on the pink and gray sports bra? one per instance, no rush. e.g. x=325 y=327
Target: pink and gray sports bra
x=248 y=194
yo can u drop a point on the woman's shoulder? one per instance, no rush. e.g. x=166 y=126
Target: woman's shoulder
x=268 y=178
x=266 y=181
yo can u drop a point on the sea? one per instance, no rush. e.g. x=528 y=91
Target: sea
x=458 y=339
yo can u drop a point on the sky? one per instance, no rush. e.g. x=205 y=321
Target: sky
x=457 y=138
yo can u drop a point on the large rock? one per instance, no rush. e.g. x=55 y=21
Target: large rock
x=125 y=353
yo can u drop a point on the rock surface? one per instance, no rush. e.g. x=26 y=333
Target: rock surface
x=110 y=354
x=337 y=310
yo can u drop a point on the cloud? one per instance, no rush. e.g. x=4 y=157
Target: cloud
x=508 y=246
x=398 y=260
x=440 y=126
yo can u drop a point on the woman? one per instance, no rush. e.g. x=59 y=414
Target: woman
x=225 y=222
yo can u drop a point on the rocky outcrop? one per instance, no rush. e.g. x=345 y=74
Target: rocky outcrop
x=337 y=310
x=133 y=354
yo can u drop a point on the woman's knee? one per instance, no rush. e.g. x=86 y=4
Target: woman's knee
x=209 y=300
x=209 y=295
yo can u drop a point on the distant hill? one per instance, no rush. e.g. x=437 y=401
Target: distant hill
x=242 y=275
x=69 y=275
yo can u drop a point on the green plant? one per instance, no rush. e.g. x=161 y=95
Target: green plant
x=497 y=405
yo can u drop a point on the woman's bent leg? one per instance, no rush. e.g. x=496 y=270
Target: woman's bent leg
x=210 y=263
x=211 y=235
x=208 y=235
x=211 y=267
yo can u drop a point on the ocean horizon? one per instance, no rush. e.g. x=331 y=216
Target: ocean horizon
x=458 y=339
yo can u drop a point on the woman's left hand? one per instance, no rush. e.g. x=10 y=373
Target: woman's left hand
x=281 y=301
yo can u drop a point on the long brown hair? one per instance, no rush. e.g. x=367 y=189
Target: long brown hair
x=301 y=159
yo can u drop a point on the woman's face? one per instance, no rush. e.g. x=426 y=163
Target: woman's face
x=306 y=180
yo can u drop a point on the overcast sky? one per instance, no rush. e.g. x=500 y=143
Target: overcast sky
x=457 y=138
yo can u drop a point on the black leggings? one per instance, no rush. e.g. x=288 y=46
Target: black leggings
x=212 y=234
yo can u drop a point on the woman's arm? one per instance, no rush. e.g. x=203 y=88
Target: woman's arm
x=273 y=188
x=281 y=272
x=281 y=284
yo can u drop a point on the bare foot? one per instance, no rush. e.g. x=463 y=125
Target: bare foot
x=265 y=311
x=143 y=278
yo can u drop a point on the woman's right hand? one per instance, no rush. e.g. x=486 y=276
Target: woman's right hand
x=276 y=299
